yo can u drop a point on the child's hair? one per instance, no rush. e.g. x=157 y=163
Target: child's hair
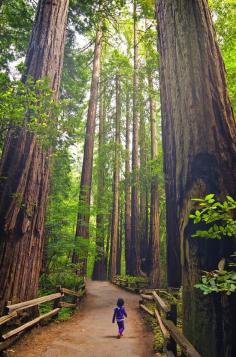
x=120 y=302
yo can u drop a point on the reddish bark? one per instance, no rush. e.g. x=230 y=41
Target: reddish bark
x=99 y=270
x=127 y=192
x=199 y=141
x=25 y=167
x=82 y=229
x=135 y=239
x=116 y=184
x=154 y=242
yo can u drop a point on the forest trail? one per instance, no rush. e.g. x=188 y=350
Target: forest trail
x=90 y=333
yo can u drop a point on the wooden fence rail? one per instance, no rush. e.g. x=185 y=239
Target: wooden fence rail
x=167 y=318
x=15 y=310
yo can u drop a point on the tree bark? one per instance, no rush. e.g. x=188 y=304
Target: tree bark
x=82 y=229
x=116 y=180
x=199 y=141
x=99 y=270
x=119 y=245
x=25 y=167
x=135 y=239
x=143 y=188
x=154 y=241
x=127 y=192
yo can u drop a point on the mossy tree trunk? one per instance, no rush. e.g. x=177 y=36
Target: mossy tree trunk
x=199 y=141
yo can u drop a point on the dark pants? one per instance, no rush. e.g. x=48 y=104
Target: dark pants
x=121 y=326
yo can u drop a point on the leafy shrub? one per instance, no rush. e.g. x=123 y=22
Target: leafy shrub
x=219 y=221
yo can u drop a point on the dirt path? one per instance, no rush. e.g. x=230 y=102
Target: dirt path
x=90 y=333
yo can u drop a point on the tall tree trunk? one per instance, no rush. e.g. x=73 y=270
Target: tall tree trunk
x=99 y=270
x=25 y=167
x=154 y=241
x=116 y=180
x=199 y=140
x=82 y=229
x=143 y=188
x=127 y=192
x=135 y=240
x=108 y=243
x=119 y=245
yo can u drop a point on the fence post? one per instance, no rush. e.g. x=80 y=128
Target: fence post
x=56 y=303
x=172 y=315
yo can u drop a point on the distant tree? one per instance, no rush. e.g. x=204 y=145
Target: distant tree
x=116 y=187
x=154 y=241
x=100 y=269
x=82 y=230
x=127 y=191
x=135 y=238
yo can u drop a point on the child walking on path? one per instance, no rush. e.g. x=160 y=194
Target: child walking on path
x=119 y=313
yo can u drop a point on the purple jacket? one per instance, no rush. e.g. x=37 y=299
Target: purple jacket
x=119 y=313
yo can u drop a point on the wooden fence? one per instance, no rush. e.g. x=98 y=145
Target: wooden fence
x=167 y=318
x=14 y=311
x=133 y=286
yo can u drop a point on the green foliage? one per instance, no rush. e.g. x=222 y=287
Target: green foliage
x=218 y=216
x=219 y=281
x=134 y=279
x=28 y=105
x=15 y=28
x=224 y=15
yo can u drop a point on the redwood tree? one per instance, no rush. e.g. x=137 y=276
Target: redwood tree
x=116 y=184
x=99 y=270
x=24 y=169
x=82 y=229
x=154 y=241
x=199 y=141
x=135 y=240
x=127 y=191
x=144 y=215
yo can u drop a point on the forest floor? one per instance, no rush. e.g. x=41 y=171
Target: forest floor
x=90 y=332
